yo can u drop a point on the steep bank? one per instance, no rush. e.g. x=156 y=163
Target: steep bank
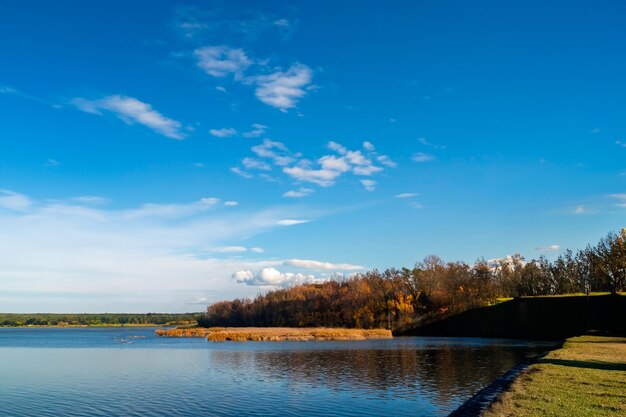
x=546 y=318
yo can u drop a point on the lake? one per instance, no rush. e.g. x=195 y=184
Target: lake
x=132 y=372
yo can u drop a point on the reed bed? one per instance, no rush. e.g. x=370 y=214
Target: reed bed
x=278 y=334
x=191 y=332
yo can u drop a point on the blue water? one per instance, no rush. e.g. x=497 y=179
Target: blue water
x=132 y=372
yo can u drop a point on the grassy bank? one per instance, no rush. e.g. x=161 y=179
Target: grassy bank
x=586 y=377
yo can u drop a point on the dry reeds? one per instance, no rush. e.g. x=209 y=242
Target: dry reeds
x=277 y=334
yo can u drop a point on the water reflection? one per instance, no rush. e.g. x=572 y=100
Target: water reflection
x=444 y=374
x=90 y=373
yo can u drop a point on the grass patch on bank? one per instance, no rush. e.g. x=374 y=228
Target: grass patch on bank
x=586 y=377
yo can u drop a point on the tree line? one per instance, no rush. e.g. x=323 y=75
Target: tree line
x=400 y=298
x=98 y=319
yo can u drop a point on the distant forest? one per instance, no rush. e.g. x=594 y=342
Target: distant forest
x=100 y=319
x=401 y=298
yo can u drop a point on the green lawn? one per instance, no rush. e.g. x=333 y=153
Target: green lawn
x=587 y=377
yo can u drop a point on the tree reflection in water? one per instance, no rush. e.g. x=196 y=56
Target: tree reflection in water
x=443 y=372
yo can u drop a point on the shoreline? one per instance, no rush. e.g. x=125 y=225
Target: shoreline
x=84 y=326
x=478 y=403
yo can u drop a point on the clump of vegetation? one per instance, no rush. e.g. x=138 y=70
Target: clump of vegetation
x=585 y=378
x=273 y=334
x=187 y=331
x=402 y=298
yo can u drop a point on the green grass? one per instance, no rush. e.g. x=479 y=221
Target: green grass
x=586 y=377
x=573 y=294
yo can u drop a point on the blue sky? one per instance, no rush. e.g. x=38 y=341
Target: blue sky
x=159 y=156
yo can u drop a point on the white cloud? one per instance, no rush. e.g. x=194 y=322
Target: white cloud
x=301 y=192
x=416 y=205
x=271 y=277
x=422 y=157
x=91 y=199
x=228 y=249
x=282 y=90
x=425 y=142
x=251 y=163
x=366 y=170
x=321 y=177
x=72 y=257
x=581 y=209
x=276 y=151
x=131 y=110
x=220 y=61
x=291 y=222
x=324 y=171
x=171 y=211
x=240 y=172
x=52 y=163
x=279 y=89
x=549 y=248
x=621 y=199
x=368 y=146
x=256 y=249
x=317 y=265
x=223 y=133
x=357 y=158
x=331 y=162
x=257 y=130
x=334 y=146
x=406 y=195
x=386 y=161
x=282 y=22
x=14 y=201
x=231 y=203
x=370 y=185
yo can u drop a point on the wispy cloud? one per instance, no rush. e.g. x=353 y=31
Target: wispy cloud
x=256 y=131
x=132 y=110
x=425 y=142
x=549 y=248
x=197 y=24
x=220 y=61
x=241 y=173
x=73 y=246
x=50 y=163
x=299 y=193
x=291 y=222
x=318 y=265
x=223 y=133
x=422 y=157
x=279 y=89
x=370 y=185
x=406 y=195
x=620 y=199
